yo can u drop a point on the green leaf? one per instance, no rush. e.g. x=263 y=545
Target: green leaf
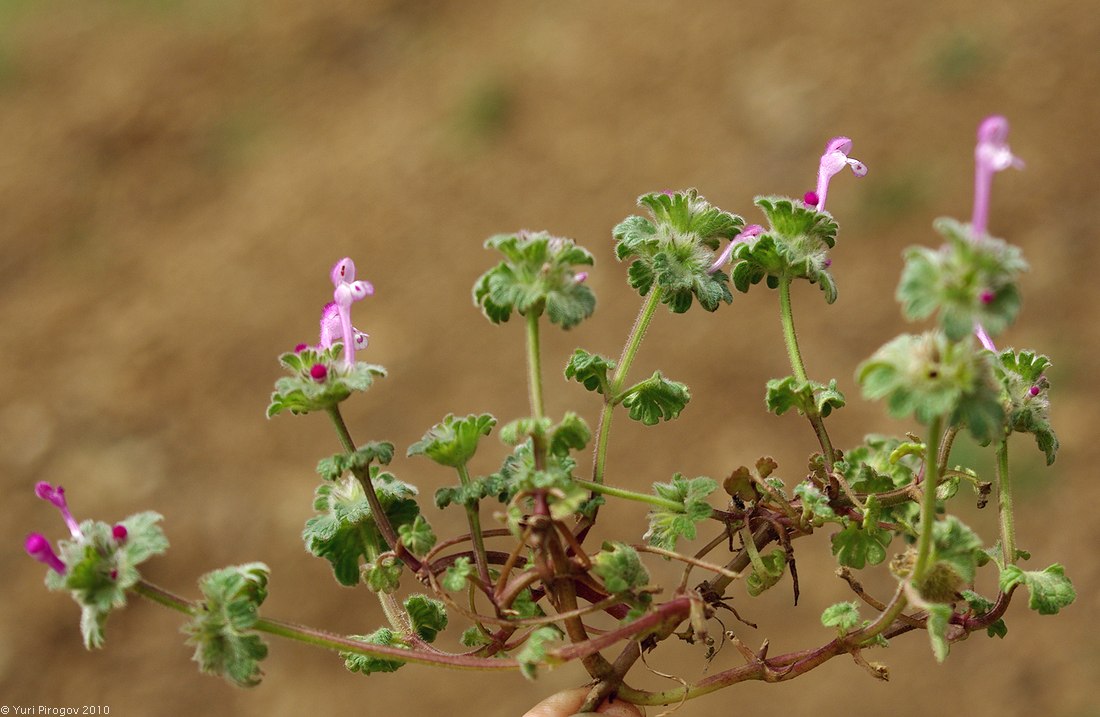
x=928 y=377
x=455 y=577
x=382 y=575
x=572 y=434
x=970 y=280
x=345 y=531
x=773 y=565
x=417 y=536
x=795 y=246
x=300 y=393
x=428 y=616
x=453 y=441
x=515 y=432
x=808 y=397
x=844 y=616
x=815 y=504
x=1025 y=394
x=590 y=370
x=958 y=546
x=798 y=223
x=101 y=569
x=655 y=399
x=332 y=467
x=666 y=526
x=858 y=546
x=473 y=637
x=366 y=664
x=536 y=276
x=939 y=618
x=675 y=249
x=534 y=650
x=620 y=568
x=220 y=627
x=1050 y=589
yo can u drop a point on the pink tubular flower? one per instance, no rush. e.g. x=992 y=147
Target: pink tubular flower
x=991 y=155
x=47 y=492
x=348 y=290
x=332 y=330
x=984 y=338
x=835 y=159
x=749 y=232
x=40 y=549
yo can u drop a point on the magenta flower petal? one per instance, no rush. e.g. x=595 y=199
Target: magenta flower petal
x=56 y=496
x=984 y=338
x=835 y=159
x=348 y=291
x=40 y=549
x=749 y=232
x=343 y=272
x=991 y=155
x=330 y=324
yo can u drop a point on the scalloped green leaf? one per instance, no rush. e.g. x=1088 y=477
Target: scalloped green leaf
x=300 y=393
x=453 y=441
x=655 y=399
x=1049 y=589
x=536 y=276
x=590 y=370
x=427 y=616
x=220 y=626
x=970 y=280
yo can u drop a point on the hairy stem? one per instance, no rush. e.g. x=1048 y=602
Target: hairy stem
x=474 y=520
x=618 y=378
x=385 y=527
x=1004 y=505
x=786 y=317
x=534 y=367
x=654 y=500
x=790 y=339
x=928 y=501
x=330 y=641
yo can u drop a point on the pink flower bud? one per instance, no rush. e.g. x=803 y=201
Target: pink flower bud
x=319 y=372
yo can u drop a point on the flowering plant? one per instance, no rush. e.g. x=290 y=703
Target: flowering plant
x=532 y=590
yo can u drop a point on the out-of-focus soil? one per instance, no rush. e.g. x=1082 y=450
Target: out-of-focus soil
x=176 y=179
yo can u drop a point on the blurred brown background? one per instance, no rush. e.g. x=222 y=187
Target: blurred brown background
x=176 y=179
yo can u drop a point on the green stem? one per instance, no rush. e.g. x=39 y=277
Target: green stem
x=928 y=501
x=474 y=520
x=329 y=641
x=754 y=554
x=534 y=367
x=1004 y=505
x=790 y=339
x=655 y=500
x=618 y=378
x=381 y=520
x=341 y=429
x=786 y=317
x=162 y=597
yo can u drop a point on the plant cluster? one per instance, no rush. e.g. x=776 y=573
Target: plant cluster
x=529 y=588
